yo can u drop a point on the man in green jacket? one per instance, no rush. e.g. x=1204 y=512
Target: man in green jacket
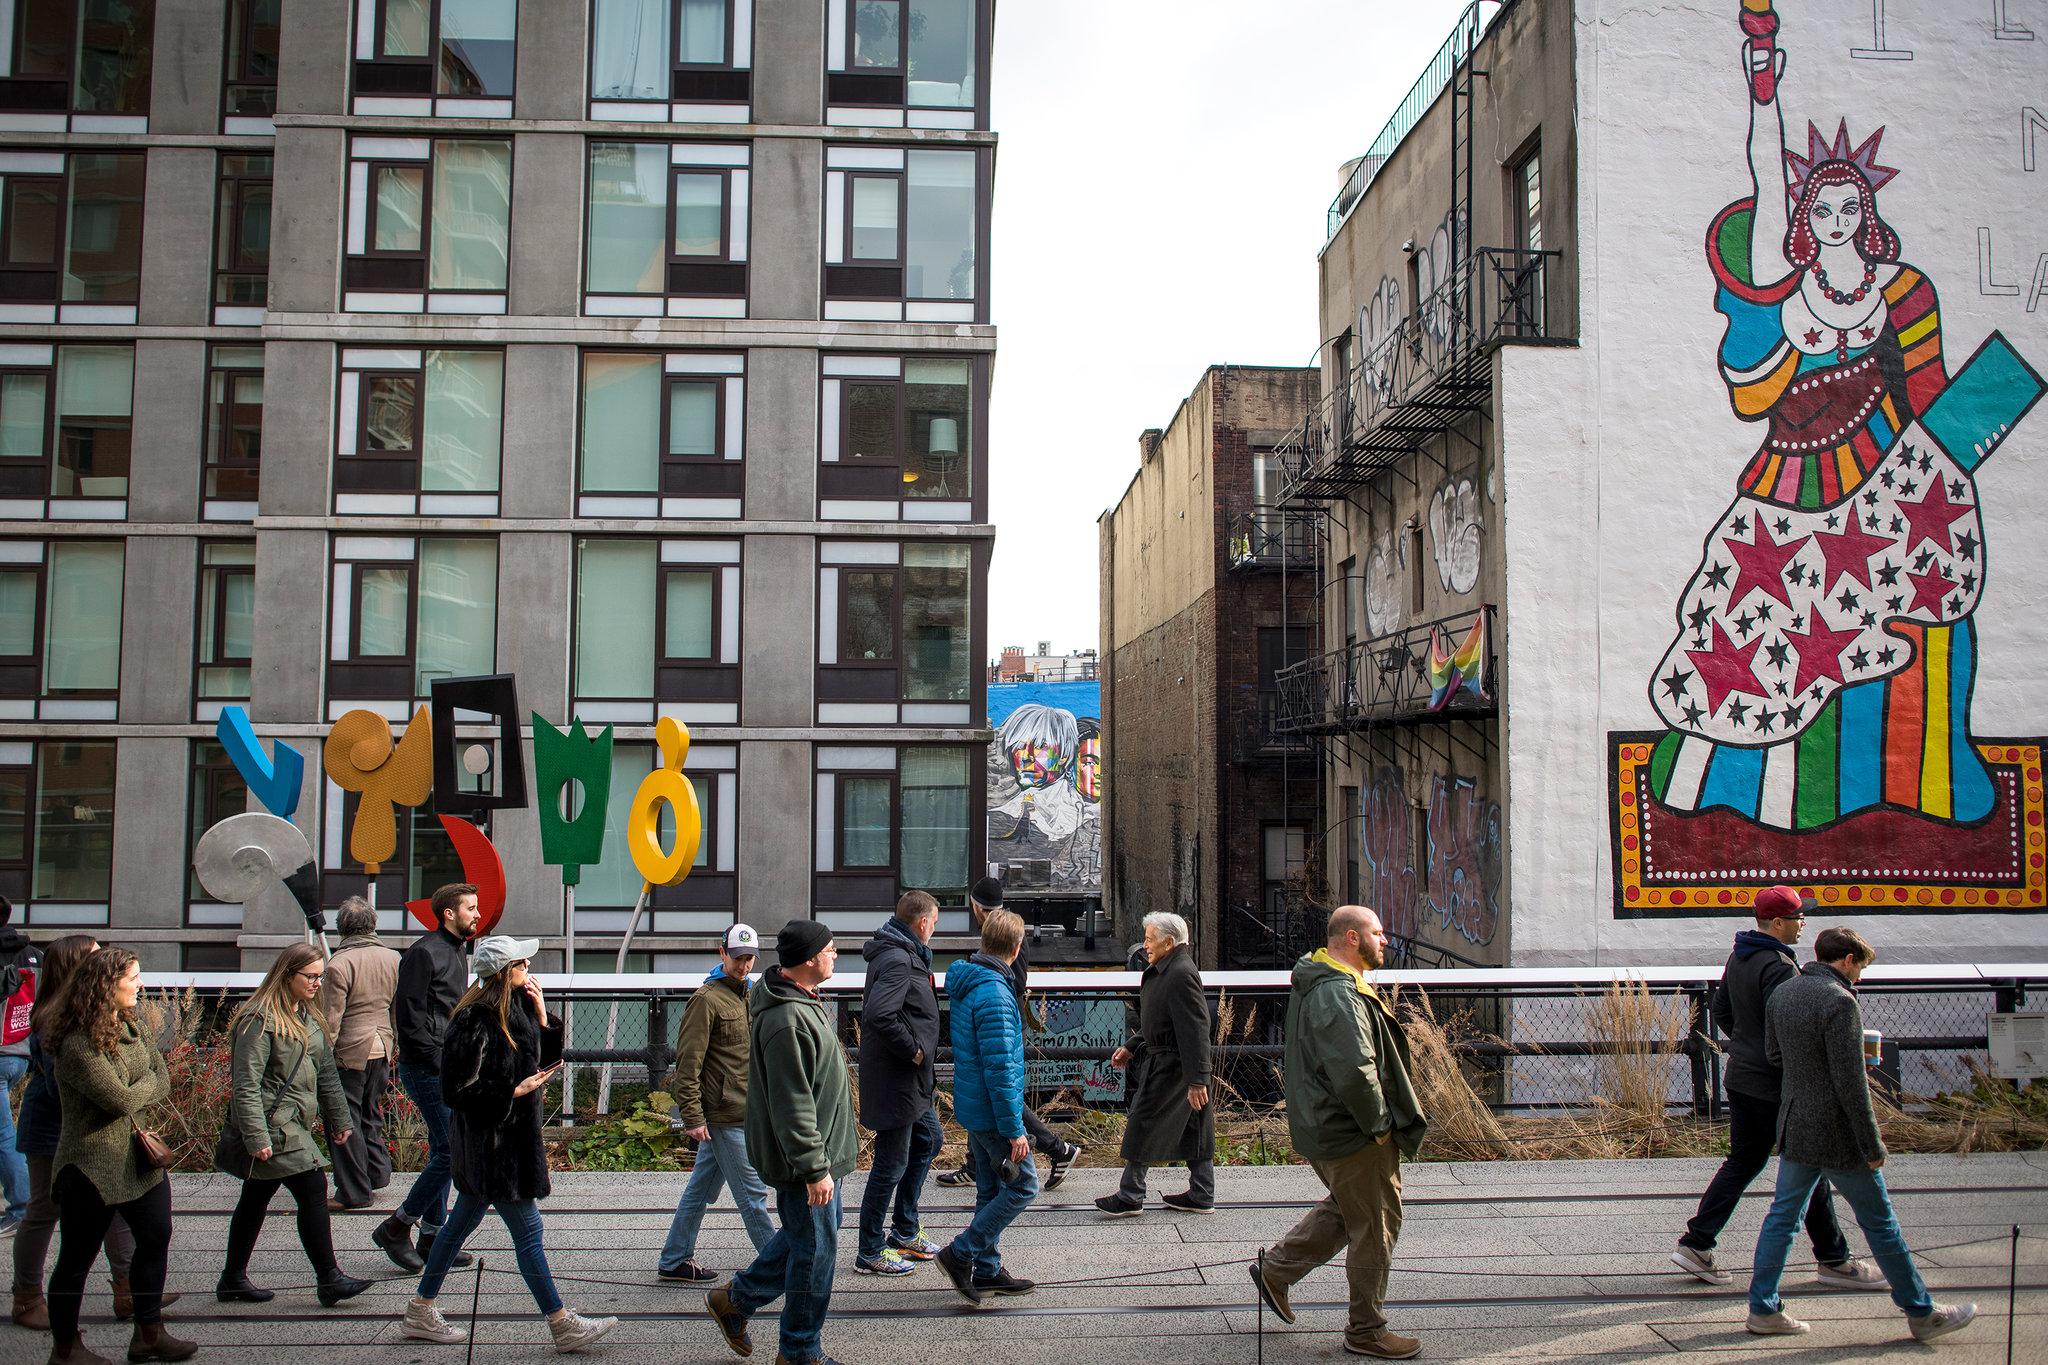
x=1352 y=1112
x=802 y=1139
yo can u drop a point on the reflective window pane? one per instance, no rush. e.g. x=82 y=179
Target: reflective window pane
x=458 y=609
x=383 y=610
x=693 y=418
x=390 y=405
x=238 y=616
x=74 y=821
x=934 y=838
x=472 y=215
x=400 y=198
x=82 y=619
x=874 y=217
x=463 y=421
x=621 y=423
x=95 y=395
x=46 y=35
x=34 y=207
x=17 y=613
x=629 y=50
x=877 y=34
x=689 y=623
x=14 y=787
x=628 y=218
x=700 y=214
x=936 y=584
x=614 y=606
x=103 y=252
x=113 y=55
x=407 y=24
x=937 y=393
x=24 y=410
x=864 y=821
x=942 y=54
x=867 y=621
x=939 y=242
x=477 y=47
x=702 y=41
x=870 y=422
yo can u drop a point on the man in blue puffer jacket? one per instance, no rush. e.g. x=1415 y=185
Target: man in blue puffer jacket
x=988 y=1099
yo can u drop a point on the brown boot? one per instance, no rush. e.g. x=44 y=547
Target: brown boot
x=31 y=1311
x=1382 y=1345
x=77 y=1353
x=152 y=1342
x=124 y=1300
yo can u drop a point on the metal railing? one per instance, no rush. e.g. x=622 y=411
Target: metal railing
x=1270 y=536
x=1384 y=679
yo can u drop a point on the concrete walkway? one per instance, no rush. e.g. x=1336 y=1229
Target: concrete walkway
x=1498 y=1261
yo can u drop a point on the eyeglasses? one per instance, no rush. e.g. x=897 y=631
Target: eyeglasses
x=315 y=977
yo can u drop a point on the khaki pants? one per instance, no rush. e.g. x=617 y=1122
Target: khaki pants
x=1362 y=1218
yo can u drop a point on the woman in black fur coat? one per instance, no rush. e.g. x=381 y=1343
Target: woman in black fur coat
x=501 y=1048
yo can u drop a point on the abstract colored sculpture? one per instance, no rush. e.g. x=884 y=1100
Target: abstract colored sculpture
x=559 y=759
x=665 y=785
x=360 y=757
x=245 y=855
x=494 y=695
x=275 y=781
x=481 y=868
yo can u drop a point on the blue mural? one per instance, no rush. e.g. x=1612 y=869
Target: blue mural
x=1045 y=782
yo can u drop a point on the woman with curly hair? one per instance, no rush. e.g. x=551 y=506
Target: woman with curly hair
x=108 y=1072
x=283 y=1071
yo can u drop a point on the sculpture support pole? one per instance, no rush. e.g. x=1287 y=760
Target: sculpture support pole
x=611 y=1023
x=569 y=1009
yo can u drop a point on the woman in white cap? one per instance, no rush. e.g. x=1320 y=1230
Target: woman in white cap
x=501 y=1047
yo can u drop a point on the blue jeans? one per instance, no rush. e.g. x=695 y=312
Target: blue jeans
x=1867 y=1195
x=427 y=1202
x=522 y=1220
x=997 y=1202
x=13 y=1166
x=903 y=1157
x=721 y=1161
x=796 y=1267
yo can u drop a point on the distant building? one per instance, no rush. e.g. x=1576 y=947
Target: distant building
x=1015 y=665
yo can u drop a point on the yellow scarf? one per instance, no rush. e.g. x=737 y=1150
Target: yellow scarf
x=1322 y=956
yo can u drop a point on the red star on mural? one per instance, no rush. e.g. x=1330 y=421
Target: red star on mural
x=1849 y=553
x=1726 y=667
x=1761 y=565
x=1932 y=516
x=1930 y=589
x=1813 y=336
x=1820 y=653
x=1867 y=333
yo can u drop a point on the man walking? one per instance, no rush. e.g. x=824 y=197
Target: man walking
x=899 y=1051
x=984 y=898
x=1763 y=960
x=356 y=997
x=1169 y=1117
x=802 y=1138
x=1827 y=1128
x=1353 y=1113
x=711 y=1093
x=988 y=1099
x=432 y=975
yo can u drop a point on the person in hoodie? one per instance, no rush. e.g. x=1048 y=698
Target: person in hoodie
x=988 y=1099
x=899 y=1028
x=1762 y=961
x=1353 y=1113
x=802 y=1138
x=18 y=962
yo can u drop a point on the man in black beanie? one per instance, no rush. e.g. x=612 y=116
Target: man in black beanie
x=801 y=1138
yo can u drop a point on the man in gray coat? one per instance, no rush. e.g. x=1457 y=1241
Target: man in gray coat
x=1813 y=1032
x=355 y=998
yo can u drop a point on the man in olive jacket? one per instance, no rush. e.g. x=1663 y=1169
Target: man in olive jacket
x=1353 y=1113
x=802 y=1138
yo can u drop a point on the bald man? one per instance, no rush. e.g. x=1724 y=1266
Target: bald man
x=1353 y=1113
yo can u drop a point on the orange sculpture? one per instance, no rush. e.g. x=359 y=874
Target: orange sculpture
x=361 y=758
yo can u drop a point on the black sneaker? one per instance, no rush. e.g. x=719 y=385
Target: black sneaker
x=395 y=1237
x=959 y=1272
x=1003 y=1282
x=1056 y=1166
x=339 y=1288
x=1116 y=1206
x=240 y=1290
x=955 y=1179
x=731 y=1322
x=1186 y=1203
x=689 y=1272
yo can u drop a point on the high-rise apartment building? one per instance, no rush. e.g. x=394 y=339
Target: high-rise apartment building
x=636 y=348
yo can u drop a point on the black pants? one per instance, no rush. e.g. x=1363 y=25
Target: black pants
x=1752 y=1130
x=316 y=1234
x=82 y=1219
x=1042 y=1137
x=362 y=1165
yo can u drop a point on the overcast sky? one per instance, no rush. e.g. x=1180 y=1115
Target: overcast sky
x=1160 y=185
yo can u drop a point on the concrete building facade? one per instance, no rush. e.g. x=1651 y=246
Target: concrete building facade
x=1205 y=596
x=636 y=348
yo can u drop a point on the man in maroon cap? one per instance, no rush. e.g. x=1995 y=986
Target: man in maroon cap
x=1763 y=960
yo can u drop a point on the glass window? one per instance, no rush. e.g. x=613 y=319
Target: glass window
x=400 y=200
x=74 y=821
x=629 y=50
x=934 y=832
x=937 y=394
x=234 y=422
x=18 y=613
x=864 y=821
x=693 y=418
x=227 y=619
x=113 y=55
x=472 y=214
x=82 y=621
x=35 y=208
x=942 y=53
x=700 y=213
x=614 y=603
x=242 y=248
x=877 y=34
x=14 y=803
x=462 y=422
x=103 y=259
x=875 y=218
x=218 y=791
x=614 y=882
x=628 y=218
x=702 y=41
x=458 y=624
x=478 y=46
x=407 y=24
x=390 y=409
x=621 y=423
x=252 y=57
x=689 y=615
x=867 y=617
x=24 y=415
x=95 y=395
x=939 y=250
x=46 y=33
x=936 y=583
x=383 y=610
x=871 y=422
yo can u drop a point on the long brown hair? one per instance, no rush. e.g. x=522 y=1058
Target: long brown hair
x=273 y=1002
x=492 y=990
x=87 y=1004
x=59 y=958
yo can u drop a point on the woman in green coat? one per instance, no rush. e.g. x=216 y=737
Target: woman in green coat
x=283 y=1073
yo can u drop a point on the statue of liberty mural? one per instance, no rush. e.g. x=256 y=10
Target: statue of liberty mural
x=1825 y=650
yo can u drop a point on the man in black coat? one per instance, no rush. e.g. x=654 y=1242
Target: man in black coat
x=1169 y=1118
x=899 y=1053
x=1762 y=961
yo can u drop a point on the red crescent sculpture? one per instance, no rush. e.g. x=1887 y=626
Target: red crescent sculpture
x=481 y=866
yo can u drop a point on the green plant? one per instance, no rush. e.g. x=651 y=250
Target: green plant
x=639 y=1140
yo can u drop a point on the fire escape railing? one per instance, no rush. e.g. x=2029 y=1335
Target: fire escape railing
x=1388 y=680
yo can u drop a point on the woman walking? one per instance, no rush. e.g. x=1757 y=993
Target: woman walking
x=500 y=1049
x=283 y=1071
x=108 y=1073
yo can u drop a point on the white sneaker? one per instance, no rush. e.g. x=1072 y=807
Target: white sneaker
x=424 y=1322
x=1853 y=1274
x=573 y=1331
x=1778 y=1324
x=1698 y=1264
x=1946 y=1318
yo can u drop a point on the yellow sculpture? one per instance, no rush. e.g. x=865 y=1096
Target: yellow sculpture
x=361 y=758
x=643 y=819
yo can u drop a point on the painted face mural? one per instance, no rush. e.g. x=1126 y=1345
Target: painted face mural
x=1817 y=694
x=1088 y=769
x=1045 y=784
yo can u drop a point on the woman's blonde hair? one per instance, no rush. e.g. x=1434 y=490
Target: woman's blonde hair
x=491 y=990
x=273 y=1001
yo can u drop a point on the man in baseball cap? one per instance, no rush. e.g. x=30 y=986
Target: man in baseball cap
x=710 y=1089
x=1763 y=960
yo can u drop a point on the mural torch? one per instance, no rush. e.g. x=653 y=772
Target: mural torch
x=1760 y=27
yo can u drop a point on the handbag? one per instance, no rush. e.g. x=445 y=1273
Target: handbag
x=231 y=1155
x=153 y=1149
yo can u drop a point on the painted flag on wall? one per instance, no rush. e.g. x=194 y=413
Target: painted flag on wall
x=1449 y=670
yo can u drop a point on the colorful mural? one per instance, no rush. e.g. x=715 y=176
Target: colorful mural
x=1458 y=889
x=1045 y=785
x=1817 y=695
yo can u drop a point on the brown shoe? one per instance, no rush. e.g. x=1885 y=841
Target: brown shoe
x=31 y=1311
x=152 y=1342
x=77 y=1353
x=124 y=1300
x=1383 y=1345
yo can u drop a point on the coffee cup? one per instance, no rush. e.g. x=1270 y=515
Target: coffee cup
x=1873 y=1046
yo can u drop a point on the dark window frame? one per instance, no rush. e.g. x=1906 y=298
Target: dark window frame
x=371 y=251
x=662 y=574
x=201 y=646
x=724 y=253
x=891 y=777
x=737 y=88
x=431 y=60
x=216 y=457
x=900 y=259
x=669 y=384
x=38 y=626
x=18 y=877
x=902 y=67
x=740 y=272
x=412 y=612
x=232 y=259
x=67 y=100
x=54 y=267
x=209 y=766
x=894 y=573
x=15 y=469
x=43 y=691
x=354 y=457
x=241 y=28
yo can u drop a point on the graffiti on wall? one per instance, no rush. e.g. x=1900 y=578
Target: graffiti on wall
x=1457 y=888
x=1817 y=697
x=1045 y=782
x=1455 y=533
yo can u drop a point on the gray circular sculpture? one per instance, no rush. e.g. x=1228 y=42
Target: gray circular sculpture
x=244 y=855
